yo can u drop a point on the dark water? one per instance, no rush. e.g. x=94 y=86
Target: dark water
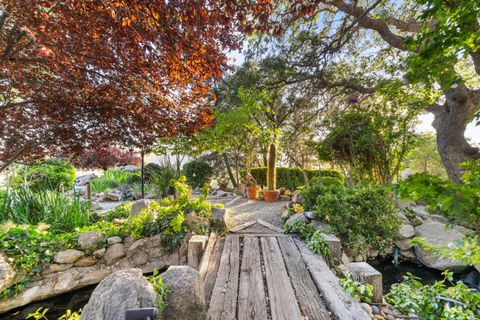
x=58 y=305
x=392 y=274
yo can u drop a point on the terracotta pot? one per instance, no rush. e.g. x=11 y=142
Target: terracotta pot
x=252 y=193
x=271 y=195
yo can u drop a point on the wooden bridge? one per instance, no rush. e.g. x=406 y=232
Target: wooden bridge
x=257 y=272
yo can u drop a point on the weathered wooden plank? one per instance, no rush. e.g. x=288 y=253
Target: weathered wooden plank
x=270 y=226
x=261 y=235
x=223 y=304
x=283 y=303
x=212 y=268
x=335 y=246
x=207 y=255
x=251 y=295
x=366 y=274
x=196 y=245
x=340 y=304
x=243 y=226
x=308 y=297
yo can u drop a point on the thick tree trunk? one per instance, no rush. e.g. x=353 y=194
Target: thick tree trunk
x=229 y=170
x=450 y=123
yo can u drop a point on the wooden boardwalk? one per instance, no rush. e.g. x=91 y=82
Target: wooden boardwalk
x=260 y=273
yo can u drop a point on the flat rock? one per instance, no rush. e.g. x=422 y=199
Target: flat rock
x=85 y=262
x=405 y=232
x=113 y=240
x=420 y=211
x=54 y=267
x=187 y=299
x=436 y=234
x=83 y=180
x=120 y=291
x=404 y=244
x=113 y=195
x=68 y=256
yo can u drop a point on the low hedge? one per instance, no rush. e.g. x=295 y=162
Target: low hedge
x=292 y=178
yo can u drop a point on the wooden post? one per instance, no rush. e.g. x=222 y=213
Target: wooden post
x=335 y=246
x=196 y=245
x=143 y=174
x=89 y=193
x=366 y=274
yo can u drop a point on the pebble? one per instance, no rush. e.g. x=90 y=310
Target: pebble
x=375 y=310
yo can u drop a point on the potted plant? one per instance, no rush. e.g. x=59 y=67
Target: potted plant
x=251 y=187
x=271 y=194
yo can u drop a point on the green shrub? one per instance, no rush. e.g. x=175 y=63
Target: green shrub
x=120 y=212
x=357 y=290
x=197 y=173
x=162 y=292
x=49 y=174
x=292 y=178
x=114 y=178
x=365 y=217
x=161 y=176
x=458 y=202
x=63 y=213
x=316 y=188
x=425 y=300
x=314 y=239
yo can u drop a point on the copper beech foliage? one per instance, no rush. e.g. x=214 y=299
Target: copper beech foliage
x=77 y=74
x=81 y=74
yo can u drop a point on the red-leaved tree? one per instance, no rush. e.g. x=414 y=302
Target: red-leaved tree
x=75 y=74
x=106 y=157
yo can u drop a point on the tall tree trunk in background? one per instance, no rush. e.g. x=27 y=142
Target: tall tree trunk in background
x=229 y=170
x=450 y=122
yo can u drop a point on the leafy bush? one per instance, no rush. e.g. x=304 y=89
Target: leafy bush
x=198 y=173
x=364 y=217
x=317 y=188
x=63 y=213
x=357 y=290
x=160 y=177
x=120 y=212
x=458 y=202
x=427 y=303
x=114 y=178
x=49 y=174
x=162 y=291
x=293 y=178
x=314 y=239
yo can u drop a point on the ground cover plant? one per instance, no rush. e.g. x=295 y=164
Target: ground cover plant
x=32 y=246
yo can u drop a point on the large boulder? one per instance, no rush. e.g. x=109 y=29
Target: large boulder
x=186 y=300
x=120 y=291
x=7 y=274
x=138 y=206
x=435 y=234
x=83 y=180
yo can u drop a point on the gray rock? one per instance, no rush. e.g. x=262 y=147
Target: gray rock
x=285 y=215
x=187 y=299
x=294 y=218
x=136 y=246
x=83 y=180
x=220 y=217
x=139 y=259
x=113 y=240
x=51 y=268
x=367 y=308
x=114 y=253
x=120 y=291
x=99 y=253
x=7 y=274
x=68 y=256
x=113 y=195
x=406 y=231
x=89 y=239
x=402 y=218
x=404 y=204
x=309 y=214
x=319 y=225
x=409 y=254
x=130 y=168
x=421 y=211
x=297 y=196
x=375 y=310
x=436 y=234
x=139 y=205
x=438 y=218
x=404 y=244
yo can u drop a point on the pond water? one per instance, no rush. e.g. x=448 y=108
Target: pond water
x=395 y=274
x=58 y=306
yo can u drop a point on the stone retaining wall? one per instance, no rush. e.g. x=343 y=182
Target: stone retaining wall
x=73 y=269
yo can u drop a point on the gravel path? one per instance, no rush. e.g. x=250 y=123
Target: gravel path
x=243 y=210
